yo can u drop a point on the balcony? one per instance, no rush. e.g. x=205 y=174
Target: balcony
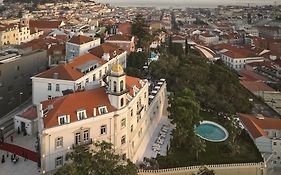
x=83 y=143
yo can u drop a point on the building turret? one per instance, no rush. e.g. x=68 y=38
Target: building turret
x=117 y=86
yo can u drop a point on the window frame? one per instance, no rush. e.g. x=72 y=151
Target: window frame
x=60 y=160
x=59 y=142
x=57 y=87
x=103 y=130
x=123 y=123
x=49 y=86
x=103 y=110
x=123 y=139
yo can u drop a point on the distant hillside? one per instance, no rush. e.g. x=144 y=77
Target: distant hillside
x=36 y=1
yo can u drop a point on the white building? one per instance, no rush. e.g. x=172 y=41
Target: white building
x=126 y=42
x=120 y=113
x=79 y=45
x=82 y=72
x=27 y=121
x=238 y=58
x=266 y=133
x=208 y=38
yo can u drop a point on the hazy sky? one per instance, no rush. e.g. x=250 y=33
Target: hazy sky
x=190 y=2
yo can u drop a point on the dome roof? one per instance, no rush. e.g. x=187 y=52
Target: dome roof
x=117 y=68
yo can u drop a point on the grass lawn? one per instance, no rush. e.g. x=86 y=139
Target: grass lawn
x=216 y=153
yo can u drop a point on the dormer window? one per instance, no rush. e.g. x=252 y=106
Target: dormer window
x=63 y=119
x=102 y=110
x=81 y=114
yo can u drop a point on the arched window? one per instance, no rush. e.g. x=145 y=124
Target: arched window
x=121 y=85
x=122 y=102
x=114 y=86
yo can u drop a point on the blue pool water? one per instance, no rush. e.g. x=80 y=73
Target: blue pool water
x=211 y=132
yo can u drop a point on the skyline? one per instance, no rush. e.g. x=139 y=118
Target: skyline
x=190 y=3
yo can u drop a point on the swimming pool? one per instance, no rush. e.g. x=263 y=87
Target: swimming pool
x=211 y=131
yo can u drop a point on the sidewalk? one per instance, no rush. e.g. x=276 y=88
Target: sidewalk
x=20 y=168
x=7 y=121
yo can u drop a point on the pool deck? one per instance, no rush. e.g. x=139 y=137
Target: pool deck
x=149 y=153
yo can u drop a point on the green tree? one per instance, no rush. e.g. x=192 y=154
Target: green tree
x=101 y=160
x=184 y=112
x=140 y=29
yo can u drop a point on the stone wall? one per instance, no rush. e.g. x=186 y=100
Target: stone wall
x=221 y=169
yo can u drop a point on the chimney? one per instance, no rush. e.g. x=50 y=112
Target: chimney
x=56 y=75
x=106 y=56
x=50 y=107
x=260 y=116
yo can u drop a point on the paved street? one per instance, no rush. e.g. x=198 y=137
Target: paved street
x=7 y=121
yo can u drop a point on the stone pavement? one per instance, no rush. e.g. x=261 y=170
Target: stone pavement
x=20 y=168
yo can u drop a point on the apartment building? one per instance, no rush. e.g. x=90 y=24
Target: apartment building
x=266 y=134
x=125 y=42
x=14 y=34
x=79 y=45
x=121 y=113
x=82 y=72
x=237 y=57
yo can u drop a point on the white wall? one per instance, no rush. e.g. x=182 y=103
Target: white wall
x=114 y=131
x=40 y=90
x=31 y=127
x=263 y=144
x=74 y=50
x=238 y=63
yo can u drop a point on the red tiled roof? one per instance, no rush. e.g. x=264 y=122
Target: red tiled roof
x=119 y=38
x=45 y=24
x=130 y=82
x=106 y=48
x=69 y=104
x=80 y=39
x=251 y=76
x=255 y=86
x=125 y=28
x=68 y=71
x=178 y=37
x=257 y=127
x=30 y=113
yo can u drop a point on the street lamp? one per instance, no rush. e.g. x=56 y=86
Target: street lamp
x=21 y=93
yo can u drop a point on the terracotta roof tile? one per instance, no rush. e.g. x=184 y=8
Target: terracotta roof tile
x=68 y=71
x=130 y=82
x=47 y=24
x=119 y=38
x=80 y=39
x=106 y=48
x=69 y=104
x=257 y=127
x=30 y=113
x=255 y=86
